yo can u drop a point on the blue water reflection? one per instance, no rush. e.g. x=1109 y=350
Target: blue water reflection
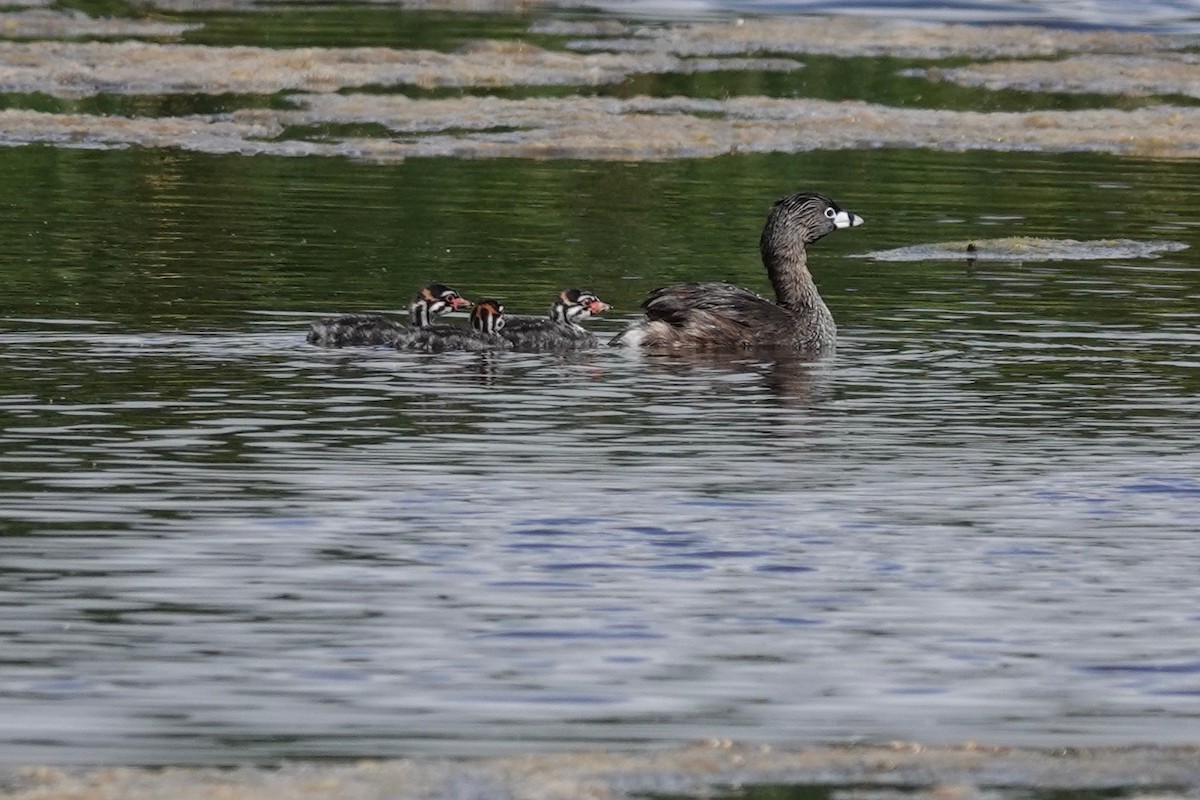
x=1163 y=16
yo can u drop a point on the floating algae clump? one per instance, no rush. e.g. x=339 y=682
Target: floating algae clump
x=1027 y=248
x=1135 y=76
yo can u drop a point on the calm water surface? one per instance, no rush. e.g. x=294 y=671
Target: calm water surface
x=978 y=521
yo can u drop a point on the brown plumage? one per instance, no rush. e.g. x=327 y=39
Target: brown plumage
x=721 y=316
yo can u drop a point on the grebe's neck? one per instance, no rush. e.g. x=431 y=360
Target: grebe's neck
x=786 y=261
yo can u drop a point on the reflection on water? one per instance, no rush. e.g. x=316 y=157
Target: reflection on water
x=977 y=521
x=784 y=791
x=1174 y=16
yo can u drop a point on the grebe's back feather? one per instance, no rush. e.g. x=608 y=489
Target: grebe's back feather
x=711 y=316
x=539 y=334
x=353 y=330
x=349 y=330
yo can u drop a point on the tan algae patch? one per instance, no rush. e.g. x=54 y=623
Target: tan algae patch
x=644 y=127
x=199 y=134
x=72 y=70
x=571 y=127
x=79 y=69
x=1026 y=248
x=853 y=36
x=43 y=24
x=1169 y=73
x=618 y=129
x=463 y=6
x=897 y=772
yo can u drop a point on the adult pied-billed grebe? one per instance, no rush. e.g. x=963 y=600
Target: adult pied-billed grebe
x=560 y=330
x=366 y=329
x=487 y=321
x=715 y=316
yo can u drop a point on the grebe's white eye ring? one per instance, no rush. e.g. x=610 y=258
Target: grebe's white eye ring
x=830 y=213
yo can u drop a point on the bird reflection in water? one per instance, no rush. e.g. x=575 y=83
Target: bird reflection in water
x=794 y=379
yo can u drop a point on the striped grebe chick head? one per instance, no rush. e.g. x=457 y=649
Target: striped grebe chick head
x=576 y=305
x=433 y=301
x=487 y=316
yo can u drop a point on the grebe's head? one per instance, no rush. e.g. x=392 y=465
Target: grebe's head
x=487 y=316
x=806 y=216
x=576 y=305
x=433 y=301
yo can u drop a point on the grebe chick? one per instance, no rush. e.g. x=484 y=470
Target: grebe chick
x=366 y=329
x=716 y=316
x=487 y=321
x=560 y=330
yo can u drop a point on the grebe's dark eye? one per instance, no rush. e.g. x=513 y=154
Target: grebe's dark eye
x=830 y=213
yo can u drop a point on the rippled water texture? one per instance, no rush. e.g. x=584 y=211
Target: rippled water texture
x=977 y=522
x=1154 y=15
